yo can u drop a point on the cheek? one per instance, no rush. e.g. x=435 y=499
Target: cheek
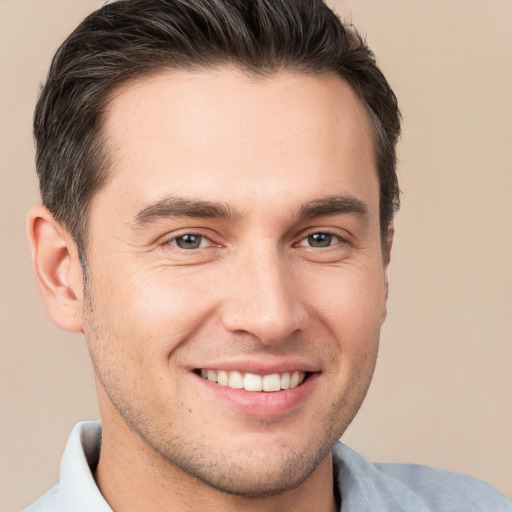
x=147 y=312
x=350 y=301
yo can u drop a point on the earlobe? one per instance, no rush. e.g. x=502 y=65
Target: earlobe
x=57 y=268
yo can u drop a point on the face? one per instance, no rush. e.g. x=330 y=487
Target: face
x=237 y=285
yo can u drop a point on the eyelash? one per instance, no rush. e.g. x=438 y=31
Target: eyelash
x=300 y=243
x=337 y=239
x=203 y=238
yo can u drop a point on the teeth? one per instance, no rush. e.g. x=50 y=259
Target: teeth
x=271 y=382
x=253 y=382
x=285 y=381
x=236 y=380
x=222 y=378
x=294 y=379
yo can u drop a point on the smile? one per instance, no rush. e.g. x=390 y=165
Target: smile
x=253 y=382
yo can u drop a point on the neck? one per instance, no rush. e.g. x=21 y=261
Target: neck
x=132 y=477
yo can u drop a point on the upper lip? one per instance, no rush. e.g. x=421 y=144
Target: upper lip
x=259 y=367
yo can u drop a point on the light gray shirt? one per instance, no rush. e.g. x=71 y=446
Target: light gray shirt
x=363 y=486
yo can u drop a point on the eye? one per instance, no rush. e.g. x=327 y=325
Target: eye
x=320 y=240
x=190 y=241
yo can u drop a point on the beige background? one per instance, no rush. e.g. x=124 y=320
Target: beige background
x=442 y=394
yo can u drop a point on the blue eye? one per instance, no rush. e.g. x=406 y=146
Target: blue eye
x=320 y=240
x=189 y=241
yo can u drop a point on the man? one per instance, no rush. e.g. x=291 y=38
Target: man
x=218 y=180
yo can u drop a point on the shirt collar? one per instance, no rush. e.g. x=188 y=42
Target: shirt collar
x=77 y=484
x=365 y=487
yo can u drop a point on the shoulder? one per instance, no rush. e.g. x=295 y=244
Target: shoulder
x=412 y=487
x=445 y=490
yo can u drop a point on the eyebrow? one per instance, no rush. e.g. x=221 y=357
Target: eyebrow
x=173 y=206
x=180 y=207
x=333 y=205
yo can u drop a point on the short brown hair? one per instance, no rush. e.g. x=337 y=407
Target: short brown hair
x=130 y=39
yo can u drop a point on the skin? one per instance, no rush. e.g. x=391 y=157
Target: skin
x=257 y=291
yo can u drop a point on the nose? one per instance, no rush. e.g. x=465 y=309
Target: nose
x=263 y=298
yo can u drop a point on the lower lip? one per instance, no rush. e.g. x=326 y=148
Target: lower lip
x=261 y=403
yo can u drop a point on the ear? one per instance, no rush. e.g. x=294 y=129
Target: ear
x=386 y=256
x=388 y=244
x=57 y=268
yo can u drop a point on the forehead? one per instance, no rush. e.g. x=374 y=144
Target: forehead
x=222 y=132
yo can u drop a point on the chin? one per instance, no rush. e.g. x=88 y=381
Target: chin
x=246 y=476
x=259 y=467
